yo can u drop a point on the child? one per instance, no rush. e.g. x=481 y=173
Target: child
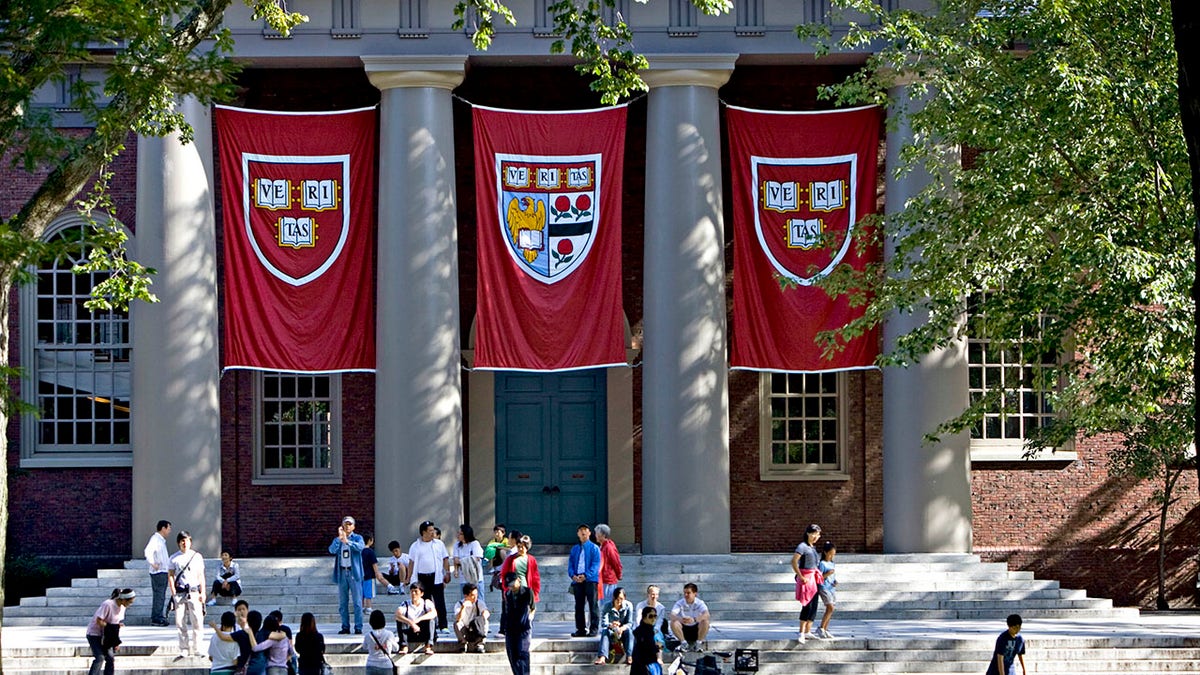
x=370 y=565
x=1010 y=648
x=399 y=569
x=828 y=588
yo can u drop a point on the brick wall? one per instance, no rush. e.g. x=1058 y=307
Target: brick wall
x=50 y=508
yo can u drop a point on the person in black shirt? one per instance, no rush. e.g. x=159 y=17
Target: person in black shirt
x=517 y=623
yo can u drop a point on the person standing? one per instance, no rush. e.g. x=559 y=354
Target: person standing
x=310 y=646
x=223 y=649
x=519 y=608
x=159 y=560
x=583 y=566
x=610 y=559
x=804 y=564
x=431 y=565
x=379 y=643
x=468 y=561
x=187 y=580
x=348 y=573
x=103 y=631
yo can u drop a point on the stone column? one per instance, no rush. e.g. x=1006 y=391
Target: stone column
x=418 y=384
x=175 y=415
x=926 y=487
x=685 y=400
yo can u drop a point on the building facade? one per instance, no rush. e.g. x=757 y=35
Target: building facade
x=676 y=452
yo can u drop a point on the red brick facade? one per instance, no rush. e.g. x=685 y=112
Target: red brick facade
x=1069 y=521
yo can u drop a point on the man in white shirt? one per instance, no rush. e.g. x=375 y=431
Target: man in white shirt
x=431 y=566
x=690 y=619
x=187 y=580
x=159 y=561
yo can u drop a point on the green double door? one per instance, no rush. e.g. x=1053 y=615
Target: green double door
x=551 y=452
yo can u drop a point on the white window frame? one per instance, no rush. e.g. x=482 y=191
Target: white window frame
x=33 y=453
x=331 y=475
x=768 y=470
x=1006 y=449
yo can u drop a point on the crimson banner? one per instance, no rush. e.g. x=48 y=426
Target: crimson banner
x=548 y=204
x=298 y=196
x=801 y=182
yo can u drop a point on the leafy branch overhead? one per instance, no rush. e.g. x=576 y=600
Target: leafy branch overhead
x=592 y=31
x=146 y=70
x=1056 y=195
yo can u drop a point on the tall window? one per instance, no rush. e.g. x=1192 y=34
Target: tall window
x=77 y=364
x=803 y=426
x=1012 y=375
x=298 y=427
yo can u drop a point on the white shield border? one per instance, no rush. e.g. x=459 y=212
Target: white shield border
x=755 y=160
x=344 y=160
x=501 y=210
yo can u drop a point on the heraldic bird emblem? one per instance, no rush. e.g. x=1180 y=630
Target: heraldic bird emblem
x=526 y=225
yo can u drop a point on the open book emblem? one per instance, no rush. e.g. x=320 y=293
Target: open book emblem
x=296 y=218
x=549 y=209
x=805 y=212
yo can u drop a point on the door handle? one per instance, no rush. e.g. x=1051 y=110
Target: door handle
x=555 y=489
x=545 y=489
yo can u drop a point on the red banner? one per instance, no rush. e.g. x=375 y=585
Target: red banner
x=298 y=197
x=801 y=182
x=548 y=203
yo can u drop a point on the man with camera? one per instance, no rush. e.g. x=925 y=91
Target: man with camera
x=187 y=582
x=347 y=547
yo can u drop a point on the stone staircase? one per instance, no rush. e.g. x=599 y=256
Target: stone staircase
x=897 y=613
x=752 y=587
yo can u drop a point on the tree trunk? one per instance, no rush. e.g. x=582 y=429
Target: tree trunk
x=1185 y=19
x=1172 y=475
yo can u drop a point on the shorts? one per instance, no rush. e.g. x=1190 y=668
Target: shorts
x=368 y=589
x=690 y=633
x=829 y=597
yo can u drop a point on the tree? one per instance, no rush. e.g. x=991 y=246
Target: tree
x=147 y=70
x=1068 y=222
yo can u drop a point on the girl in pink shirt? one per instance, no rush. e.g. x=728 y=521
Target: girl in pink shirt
x=103 y=630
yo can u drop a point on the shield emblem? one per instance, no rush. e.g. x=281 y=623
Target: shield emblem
x=296 y=215
x=805 y=213
x=549 y=210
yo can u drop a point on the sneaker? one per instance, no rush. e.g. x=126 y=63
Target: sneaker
x=480 y=648
x=392 y=590
x=817 y=634
x=824 y=634
x=691 y=647
x=211 y=602
x=344 y=631
x=802 y=637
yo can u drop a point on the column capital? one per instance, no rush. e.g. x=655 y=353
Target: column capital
x=688 y=70
x=391 y=72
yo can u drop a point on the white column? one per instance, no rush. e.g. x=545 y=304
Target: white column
x=685 y=400
x=418 y=387
x=174 y=408
x=926 y=487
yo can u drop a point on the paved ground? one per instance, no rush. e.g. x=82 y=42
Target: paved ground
x=1148 y=625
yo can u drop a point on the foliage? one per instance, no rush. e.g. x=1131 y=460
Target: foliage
x=1070 y=218
x=597 y=34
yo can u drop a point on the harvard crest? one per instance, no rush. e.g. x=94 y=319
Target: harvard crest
x=805 y=213
x=296 y=216
x=548 y=211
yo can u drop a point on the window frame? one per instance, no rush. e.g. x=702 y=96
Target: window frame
x=983 y=450
x=32 y=456
x=768 y=470
x=298 y=476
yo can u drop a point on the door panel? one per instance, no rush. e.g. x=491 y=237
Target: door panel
x=551 y=452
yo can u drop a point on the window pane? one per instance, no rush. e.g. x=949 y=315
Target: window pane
x=804 y=421
x=297 y=422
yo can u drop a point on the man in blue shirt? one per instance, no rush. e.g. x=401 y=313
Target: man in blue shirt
x=347 y=549
x=584 y=569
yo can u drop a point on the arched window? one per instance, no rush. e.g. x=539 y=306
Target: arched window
x=77 y=364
